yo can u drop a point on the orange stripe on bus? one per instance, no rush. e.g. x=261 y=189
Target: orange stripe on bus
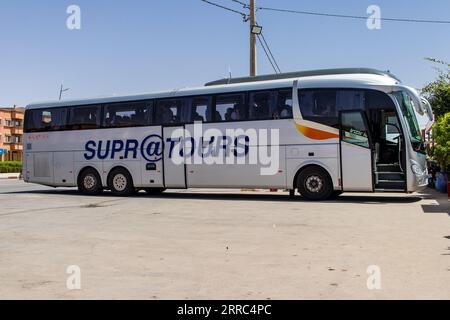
x=315 y=134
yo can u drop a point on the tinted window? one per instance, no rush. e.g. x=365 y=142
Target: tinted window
x=170 y=112
x=323 y=105
x=354 y=130
x=201 y=109
x=46 y=120
x=350 y=100
x=127 y=114
x=84 y=117
x=284 y=105
x=230 y=108
x=260 y=105
x=378 y=100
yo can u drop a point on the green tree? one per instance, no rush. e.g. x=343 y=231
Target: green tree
x=441 y=133
x=438 y=91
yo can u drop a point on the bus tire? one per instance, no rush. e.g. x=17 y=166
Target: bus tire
x=315 y=184
x=154 y=191
x=89 y=182
x=120 y=182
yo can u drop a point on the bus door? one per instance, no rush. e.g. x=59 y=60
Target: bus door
x=356 y=152
x=174 y=164
x=152 y=160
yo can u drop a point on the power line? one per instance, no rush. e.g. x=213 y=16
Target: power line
x=271 y=54
x=267 y=54
x=245 y=5
x=225 y=8
x=352 y=16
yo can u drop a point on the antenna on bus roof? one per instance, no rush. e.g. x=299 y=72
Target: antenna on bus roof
x=229 y=75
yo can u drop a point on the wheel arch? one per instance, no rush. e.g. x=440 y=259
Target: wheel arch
x=83 y=169
x=122 y=167
x=311 y=165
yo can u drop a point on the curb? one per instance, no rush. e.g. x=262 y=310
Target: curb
x=9 y=176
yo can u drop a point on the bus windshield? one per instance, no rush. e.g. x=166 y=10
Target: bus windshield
x=407 y=108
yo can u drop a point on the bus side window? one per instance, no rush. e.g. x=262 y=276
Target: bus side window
x=84 y=117
x=170 y=112
x=260 y=104
x=350 y=100
x=128 y=114
x=42 y=120
x=283 y=107
x=319 y=106
x=230 y=107
x=201 y=109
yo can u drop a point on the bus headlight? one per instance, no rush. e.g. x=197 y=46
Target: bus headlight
x=416 y=169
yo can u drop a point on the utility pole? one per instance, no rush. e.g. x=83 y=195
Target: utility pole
x=252 y=20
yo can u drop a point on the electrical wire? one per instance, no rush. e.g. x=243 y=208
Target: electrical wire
x=267 y=54
x=241 y=3
x=270 y=52
x=352 y=16
x=225 y=8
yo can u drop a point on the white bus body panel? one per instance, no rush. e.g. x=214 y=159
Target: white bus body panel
x=323 y=155
x=248 y=175
x=40 y=167
x=64 y=175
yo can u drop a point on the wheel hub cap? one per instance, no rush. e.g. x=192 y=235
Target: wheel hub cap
x=89 y=182
x=120 y=182
x=314 y=184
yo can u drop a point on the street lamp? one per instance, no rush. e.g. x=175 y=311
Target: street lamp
x=256 y=29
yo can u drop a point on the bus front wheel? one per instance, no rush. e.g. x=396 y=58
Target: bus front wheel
x=89 y=182
x=315 y=184
x=120 y=182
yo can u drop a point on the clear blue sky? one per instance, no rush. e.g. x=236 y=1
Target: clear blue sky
x=134 y=46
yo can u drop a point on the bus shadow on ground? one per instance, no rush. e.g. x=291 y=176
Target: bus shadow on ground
x=442 y=206
x=269 y=197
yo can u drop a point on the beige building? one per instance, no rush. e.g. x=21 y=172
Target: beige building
x=11 y=133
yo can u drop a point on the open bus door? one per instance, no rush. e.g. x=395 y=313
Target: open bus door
x=356 y=151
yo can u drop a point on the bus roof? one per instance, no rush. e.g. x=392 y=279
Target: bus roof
x=356 y=77
x=302 y=74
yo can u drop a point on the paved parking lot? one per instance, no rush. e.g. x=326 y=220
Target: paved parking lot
x=214 y=244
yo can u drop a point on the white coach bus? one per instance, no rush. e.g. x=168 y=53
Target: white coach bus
x=328 y=131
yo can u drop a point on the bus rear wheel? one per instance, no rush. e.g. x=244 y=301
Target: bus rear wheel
x=89 y=182
x=315 y=184
x=120 y=182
